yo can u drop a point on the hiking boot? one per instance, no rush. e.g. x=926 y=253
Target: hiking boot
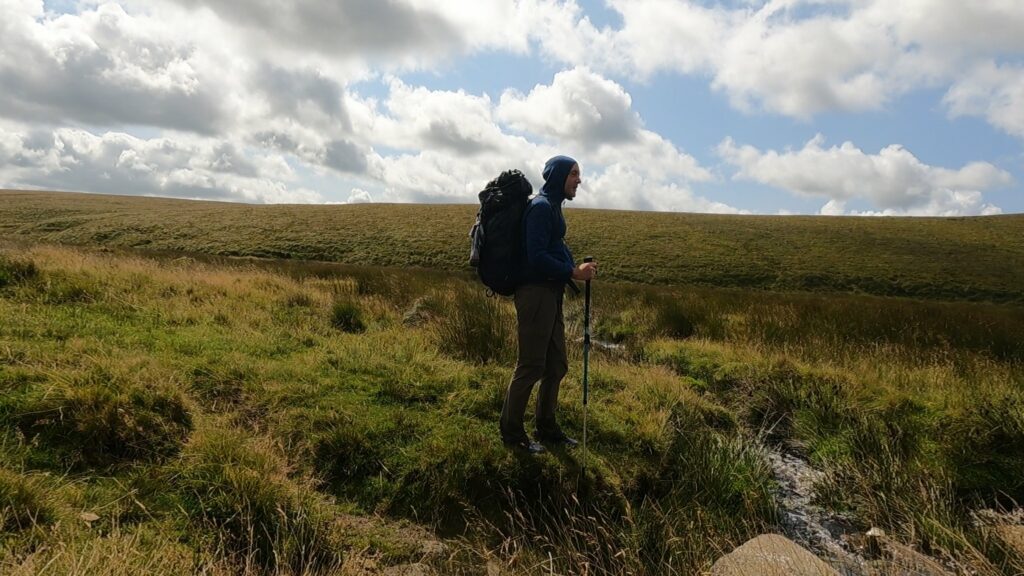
x=558 y=439
x=525 y=445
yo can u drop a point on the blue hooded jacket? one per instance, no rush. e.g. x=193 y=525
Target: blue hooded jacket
x=547 y=255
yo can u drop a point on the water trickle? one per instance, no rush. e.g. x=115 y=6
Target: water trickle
x=808 y=524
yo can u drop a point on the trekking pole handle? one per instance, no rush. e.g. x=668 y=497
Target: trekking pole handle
x=587 y=260
x=586 y=318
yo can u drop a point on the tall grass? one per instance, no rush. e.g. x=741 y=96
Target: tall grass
x=24 y=503
x=240 y=488
x=475 y=327
x=98 y=418
x=347 y=316
x=119 y=553
x=14 y=270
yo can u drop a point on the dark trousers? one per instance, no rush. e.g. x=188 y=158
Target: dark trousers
x=542 y=357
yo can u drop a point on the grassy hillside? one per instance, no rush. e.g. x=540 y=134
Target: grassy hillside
x=980 y=258
x=166 y=416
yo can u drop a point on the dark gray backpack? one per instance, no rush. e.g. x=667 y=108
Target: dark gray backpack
x=496 y=249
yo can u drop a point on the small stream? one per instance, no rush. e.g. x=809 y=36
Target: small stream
x=808 y=524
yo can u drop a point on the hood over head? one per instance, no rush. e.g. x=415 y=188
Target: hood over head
x=556 y=170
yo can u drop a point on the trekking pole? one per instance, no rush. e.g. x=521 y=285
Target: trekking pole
x=586 y=363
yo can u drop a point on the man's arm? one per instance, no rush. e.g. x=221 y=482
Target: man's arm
x=539 y=222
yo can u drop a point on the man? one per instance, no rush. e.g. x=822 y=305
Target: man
x=548 y=268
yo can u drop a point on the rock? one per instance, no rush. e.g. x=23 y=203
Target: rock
x=1012 y=536
x=409 y=570
x=873 y=540
x=433 y=549
x=906 y=561
x=890 y=557
x=771 y=555
x=418 y=314
x=89 y=517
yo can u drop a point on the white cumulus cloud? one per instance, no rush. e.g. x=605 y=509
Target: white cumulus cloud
x=118 y=163
x=993 y=92
x=595 y=115
x=800 y=57
x=105 y=67
x=627 y=188
x=416 y=118
x=359 y=196
x=578 y=106
x=258 y=100
x=338 y=28
x=894 y=181
x=454 y=142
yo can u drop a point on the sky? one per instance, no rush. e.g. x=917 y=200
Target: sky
x=834 y=107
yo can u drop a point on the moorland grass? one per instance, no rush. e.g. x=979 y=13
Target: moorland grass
x=14 y=270
x=976 y=258
x=238 y=487
x=99 y=418
x=475 y=327
x=913 y=464
x=294 y=422
x=24 y=502
x=345 y=316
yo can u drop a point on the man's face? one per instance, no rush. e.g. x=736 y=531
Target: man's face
x=572 y=182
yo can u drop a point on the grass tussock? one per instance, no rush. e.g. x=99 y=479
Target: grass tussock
x=14 y=270
x=475 y=327
x=98 y=418
x=25 y=502
x=240 y=489
x=985 y=441
x=222 y=383
x=347 y=316
x=120 y=553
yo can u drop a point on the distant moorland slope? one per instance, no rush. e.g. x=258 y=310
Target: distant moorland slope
x=975 y=258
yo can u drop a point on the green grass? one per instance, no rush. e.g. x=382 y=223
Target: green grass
x=224 y=417
x=976 y=258
x=99 y=418
x=238 y=488
x=345 y=316
x=24 y=503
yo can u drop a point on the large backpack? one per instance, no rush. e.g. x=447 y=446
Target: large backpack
x=496 y=238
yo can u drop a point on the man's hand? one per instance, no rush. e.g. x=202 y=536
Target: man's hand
x=586 y=271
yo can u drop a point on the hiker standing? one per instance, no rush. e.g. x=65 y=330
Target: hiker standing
x=548 y=268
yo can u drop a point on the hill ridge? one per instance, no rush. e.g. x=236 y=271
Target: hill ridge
x=953 y=258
